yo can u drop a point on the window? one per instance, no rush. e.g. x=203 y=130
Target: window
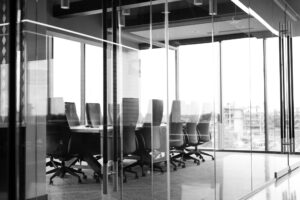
x=66 y=71
x=243 y=94
x=154 y=76
x=94 y=74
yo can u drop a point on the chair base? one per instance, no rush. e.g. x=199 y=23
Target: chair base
x=62 y=170
x=200 y=153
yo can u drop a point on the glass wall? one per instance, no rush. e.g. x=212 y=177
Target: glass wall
x=148 y=99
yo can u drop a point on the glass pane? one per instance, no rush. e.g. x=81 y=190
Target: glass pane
x=273 y=93
x=94 y=75
x=194 y=108
x=236 y=97
x=296 y=62
x=4 y=5
x=66 y=61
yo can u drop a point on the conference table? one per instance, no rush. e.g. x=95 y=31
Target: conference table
x=88 y=141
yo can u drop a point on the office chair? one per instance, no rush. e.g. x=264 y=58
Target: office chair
x=93 y=114
x=131 y=157
x=151 y=147
x=204 y=137
x=59 y=142
x=71 y=113
x=191 y=137
x=176 y=138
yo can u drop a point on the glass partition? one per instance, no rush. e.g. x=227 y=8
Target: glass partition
x=153 y=99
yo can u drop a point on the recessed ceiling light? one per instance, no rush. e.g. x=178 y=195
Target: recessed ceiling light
x=65 y=4
x=198 y=2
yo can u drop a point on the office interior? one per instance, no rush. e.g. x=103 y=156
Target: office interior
x=149 y=99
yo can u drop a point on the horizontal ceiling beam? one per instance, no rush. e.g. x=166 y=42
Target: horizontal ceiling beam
x=92 y=7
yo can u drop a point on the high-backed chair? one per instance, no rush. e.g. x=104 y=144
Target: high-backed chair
x=151 y=136
x=191 y=143
x=131 y=157
x=59 y=141
x=204 y=133
x=71 y=113
x=93 y=114
x=176 y=138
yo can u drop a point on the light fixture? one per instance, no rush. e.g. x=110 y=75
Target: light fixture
x=126 y=12
x=65 y=4
x=213 y=7
x=198 y=2
x=251 y=12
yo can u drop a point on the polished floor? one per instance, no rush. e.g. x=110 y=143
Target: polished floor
x=231 y=176
x=286 y=188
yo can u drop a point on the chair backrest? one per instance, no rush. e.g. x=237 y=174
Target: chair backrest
x=71 y=113
x=58 y=131
x=191 y=133
x=203 y=127
x=176 y=131
x=205 y=117
x=175 y=115
x=93 y=114
x=130 y=117
x=203 y=131
x=153 y=125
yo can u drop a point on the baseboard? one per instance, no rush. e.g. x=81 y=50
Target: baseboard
x=43 y=197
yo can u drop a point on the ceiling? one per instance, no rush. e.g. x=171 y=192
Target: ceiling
x=186 y=21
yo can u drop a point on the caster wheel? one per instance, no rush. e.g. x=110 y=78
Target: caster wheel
x=195 y=161
x=136 y=177
x=198 y=163
x=51 y=182
x=124 y=181
x=143 y=174
x=213 y=158
x=97 y=180
x=175 y=168
x=183 y=166
x=203 y=160
x=84 y=177
x=79 y=181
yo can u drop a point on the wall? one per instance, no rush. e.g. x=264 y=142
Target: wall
x=35 y=77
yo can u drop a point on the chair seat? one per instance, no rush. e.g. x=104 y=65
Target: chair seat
x=128 y=162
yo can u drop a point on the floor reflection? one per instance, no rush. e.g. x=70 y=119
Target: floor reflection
x=286 y=188
x=231 y=176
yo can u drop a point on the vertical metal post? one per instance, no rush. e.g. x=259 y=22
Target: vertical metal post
x=281 y=90
x=168 y=99
x=105 y=159
x=292 y=93
x=82 y=82
x=115 y=94
x=289 y=93
x=177 y=78
x=265 y=97
x=12 y=111
x=221 y=100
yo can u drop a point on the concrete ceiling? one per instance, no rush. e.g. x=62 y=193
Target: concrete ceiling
x=227 y=27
